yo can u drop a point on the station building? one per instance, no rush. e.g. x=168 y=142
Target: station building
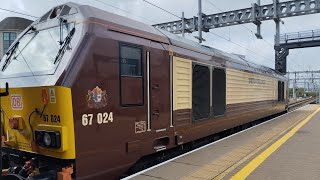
x=10 y=28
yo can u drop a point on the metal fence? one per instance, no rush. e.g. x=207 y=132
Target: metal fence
x=300 y=36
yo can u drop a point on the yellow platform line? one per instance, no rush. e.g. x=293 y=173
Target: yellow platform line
x=256 y=162
x=255 y=151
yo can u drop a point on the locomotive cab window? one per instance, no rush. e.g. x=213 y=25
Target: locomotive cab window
x=130 y=61
x=218 y=92
x=131 y=75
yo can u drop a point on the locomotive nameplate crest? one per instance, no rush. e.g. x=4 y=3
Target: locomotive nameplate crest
x=97 y=98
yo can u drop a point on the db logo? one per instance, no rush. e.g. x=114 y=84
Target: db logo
x=16 y=102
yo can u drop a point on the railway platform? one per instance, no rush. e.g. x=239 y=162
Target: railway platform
x=286 y=147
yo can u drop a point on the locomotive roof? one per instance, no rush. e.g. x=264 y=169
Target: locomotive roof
x=130 y=26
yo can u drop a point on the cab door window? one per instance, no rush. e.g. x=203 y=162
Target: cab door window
x=131 y=75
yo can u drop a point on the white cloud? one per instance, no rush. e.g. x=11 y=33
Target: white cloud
x=19 y=5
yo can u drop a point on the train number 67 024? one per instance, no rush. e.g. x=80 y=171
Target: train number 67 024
x=51 y=118
x=101 y=118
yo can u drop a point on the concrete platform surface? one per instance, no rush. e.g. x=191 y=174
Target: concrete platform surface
x=297 y=158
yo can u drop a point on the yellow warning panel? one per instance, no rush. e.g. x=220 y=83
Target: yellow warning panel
x=41 y=109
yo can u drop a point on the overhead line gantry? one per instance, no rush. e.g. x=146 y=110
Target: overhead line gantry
x=254 y=14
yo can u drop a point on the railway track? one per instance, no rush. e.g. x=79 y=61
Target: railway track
x=299 y=103
x=155 y=160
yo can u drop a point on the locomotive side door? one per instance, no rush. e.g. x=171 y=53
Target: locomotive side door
x=159 y=87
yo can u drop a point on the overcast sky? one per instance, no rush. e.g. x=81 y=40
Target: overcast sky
x=301 y=59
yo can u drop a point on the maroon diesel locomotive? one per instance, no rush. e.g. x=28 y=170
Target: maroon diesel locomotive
x=93 y=93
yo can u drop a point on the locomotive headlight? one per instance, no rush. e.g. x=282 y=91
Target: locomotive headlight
x=48 y=139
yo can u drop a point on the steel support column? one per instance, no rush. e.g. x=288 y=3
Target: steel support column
x=200 y=21
x=183 y=24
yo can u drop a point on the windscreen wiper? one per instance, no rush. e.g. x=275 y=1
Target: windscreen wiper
x=64 y=46
x=13 y=48
x=9 y=55
x=17 y=41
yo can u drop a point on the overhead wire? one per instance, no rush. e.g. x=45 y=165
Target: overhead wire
x=285 y=27
x=215 y=6
x=239 y=24
x=240 y=45
x=245 y=28
x=270 y=44
x=110 y=5
x=16 y=12
x=115 y=7
x=211 y=32
x=162 y=9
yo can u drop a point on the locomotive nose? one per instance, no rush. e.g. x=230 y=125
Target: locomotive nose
x=39 y=120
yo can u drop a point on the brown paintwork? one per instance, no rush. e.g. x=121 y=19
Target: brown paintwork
x=159 y=87
x=182 y=117
x=131 y=90
x=106 y=151
x=236 y=115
